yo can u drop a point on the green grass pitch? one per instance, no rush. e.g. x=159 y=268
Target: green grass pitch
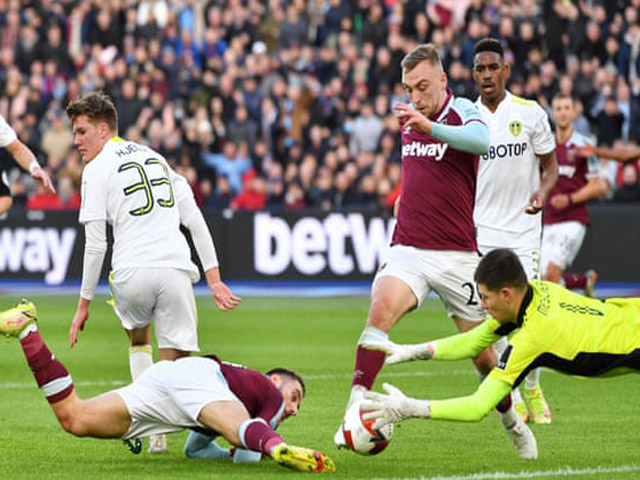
x=595 y=433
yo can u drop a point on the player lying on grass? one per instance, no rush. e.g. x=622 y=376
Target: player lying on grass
x=546 y=325
x=203 y=393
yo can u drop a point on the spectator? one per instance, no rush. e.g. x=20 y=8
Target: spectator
x=629 y=191
x=367 y=128
x=231 y=163
x=609 y=122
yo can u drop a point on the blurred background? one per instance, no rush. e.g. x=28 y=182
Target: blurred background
x=280 y=116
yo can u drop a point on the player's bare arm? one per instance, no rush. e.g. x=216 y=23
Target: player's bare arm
x=592 y=189
x=79 y=320
x=622 y=156
x=25 y=158
x=548 y=180
x=222 y=295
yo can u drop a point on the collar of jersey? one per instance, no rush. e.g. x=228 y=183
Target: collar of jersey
x=117 y=139
x=507 y=98
x=445 y=107
x=526 y=301
x=509 y=327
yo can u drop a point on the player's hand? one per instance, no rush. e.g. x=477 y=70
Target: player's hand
x=586 y=151
x=560 y=201
x=225 y=300
x=79 y=320
x=392 y=408
x=412 y=118
x=44 y=178
x=536 y=203
x=397 y=353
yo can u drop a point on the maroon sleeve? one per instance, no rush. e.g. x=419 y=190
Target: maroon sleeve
x=256 y=391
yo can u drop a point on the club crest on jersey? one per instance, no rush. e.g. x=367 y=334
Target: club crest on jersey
x=419 y=149
x=515 y=128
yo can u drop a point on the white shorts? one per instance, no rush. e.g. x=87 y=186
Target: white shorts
x=529 y=256
x=169 y=396
x=448 y=273
x=561 y=243
x=164 y=295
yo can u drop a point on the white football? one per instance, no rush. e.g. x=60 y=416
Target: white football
x=359 y=434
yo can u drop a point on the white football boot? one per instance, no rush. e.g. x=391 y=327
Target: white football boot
x=523 y=439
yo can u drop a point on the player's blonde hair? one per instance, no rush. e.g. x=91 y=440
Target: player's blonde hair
x=97 y=106
x=427 y=52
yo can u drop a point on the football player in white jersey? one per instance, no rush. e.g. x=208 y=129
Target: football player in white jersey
x=511 y=191
x=23 y=157
x=133 y=188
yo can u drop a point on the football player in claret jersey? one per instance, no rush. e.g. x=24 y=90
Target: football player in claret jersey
x=547 y=326
x=565 y=216
x=511 y=190
x=433 y=244
x=23 y=157
x=205 y=394
x=138 y=193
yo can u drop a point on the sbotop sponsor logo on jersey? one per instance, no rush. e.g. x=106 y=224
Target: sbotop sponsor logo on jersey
x=505 y=150
x=36 y=249
x=341 y=244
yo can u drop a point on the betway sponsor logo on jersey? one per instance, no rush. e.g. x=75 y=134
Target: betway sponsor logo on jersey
x=46 y=250
x=505 y=150
x=419 y=149
x=340 y=243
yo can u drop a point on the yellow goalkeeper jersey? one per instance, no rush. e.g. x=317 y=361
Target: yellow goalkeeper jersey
x=564 y=331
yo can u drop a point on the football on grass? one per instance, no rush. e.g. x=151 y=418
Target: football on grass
x=360 y=435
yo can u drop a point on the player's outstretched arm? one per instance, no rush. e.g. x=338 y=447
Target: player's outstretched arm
x=393 y=407
x=396 y=406
x=622 y=156
x=397 y=353
x=456 y=347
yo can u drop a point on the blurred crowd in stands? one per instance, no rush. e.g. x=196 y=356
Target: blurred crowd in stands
x=288 y=104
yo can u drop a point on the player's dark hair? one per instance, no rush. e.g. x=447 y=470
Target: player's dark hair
x=563 y=96
x=500 y=268
x=489 y=44
x=97 y=106
x=290 y=374
x=427 y=52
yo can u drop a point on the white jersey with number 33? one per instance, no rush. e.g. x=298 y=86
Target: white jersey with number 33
x=134 y=189
x=510 y=172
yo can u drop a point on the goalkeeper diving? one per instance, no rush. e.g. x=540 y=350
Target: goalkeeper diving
x=546 y=326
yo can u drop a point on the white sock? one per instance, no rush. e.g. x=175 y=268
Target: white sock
x=508 y=418
x=357 y=394
x=373 y=334
x=516 y=397
x=27 y=330
x=140 y=358
x=532 y=380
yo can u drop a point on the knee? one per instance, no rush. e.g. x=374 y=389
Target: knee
x=381 y=314
x=70 y=423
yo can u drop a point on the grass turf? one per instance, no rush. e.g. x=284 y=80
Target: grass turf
x=594 y=433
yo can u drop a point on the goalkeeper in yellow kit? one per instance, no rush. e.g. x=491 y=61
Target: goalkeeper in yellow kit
x=546 y=326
